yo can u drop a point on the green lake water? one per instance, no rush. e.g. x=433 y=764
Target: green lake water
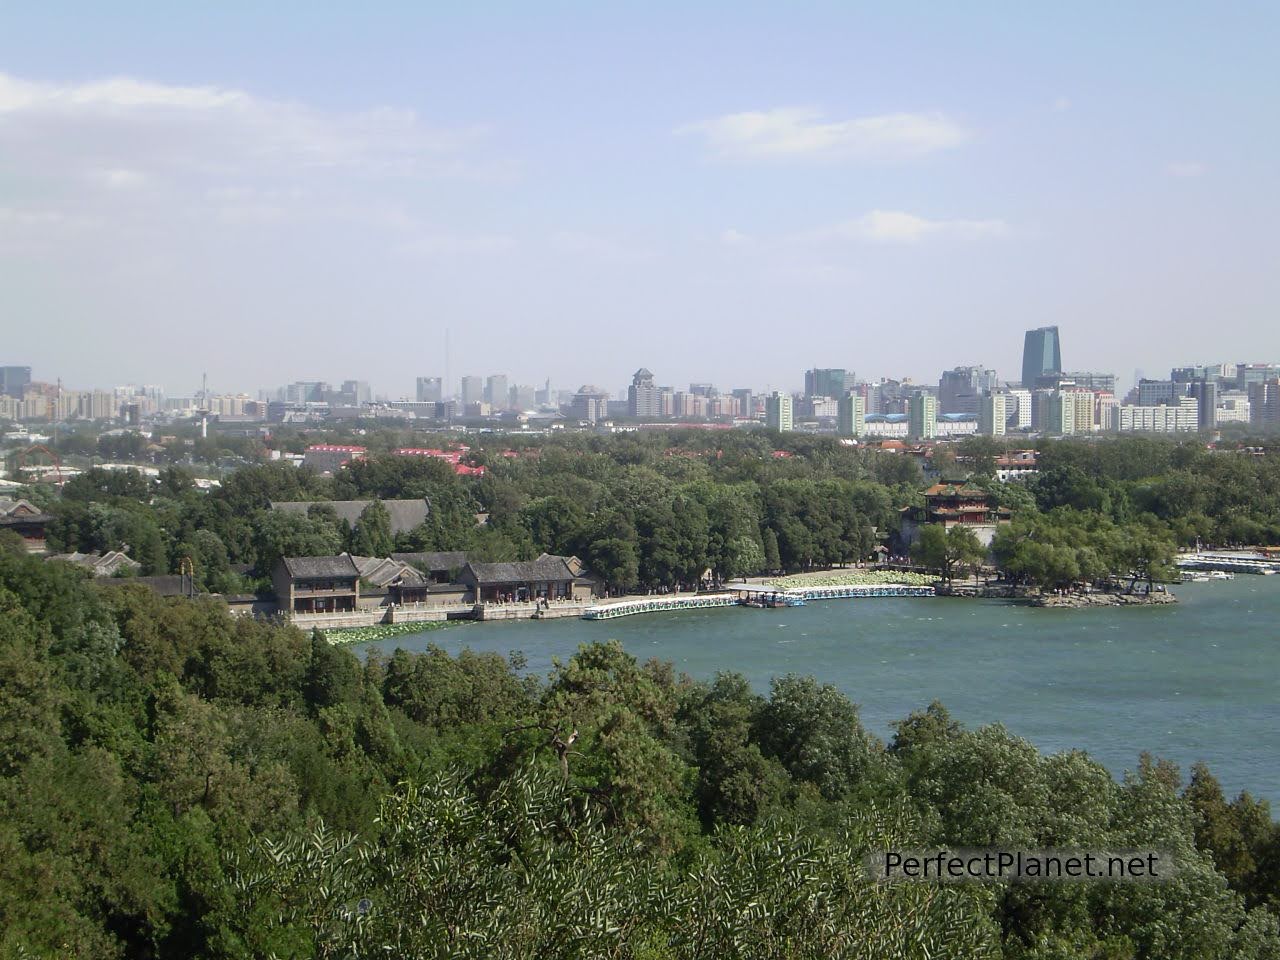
x=1199 y=680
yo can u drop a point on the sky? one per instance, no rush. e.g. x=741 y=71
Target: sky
x=723 y=192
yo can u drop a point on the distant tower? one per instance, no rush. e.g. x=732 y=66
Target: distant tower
x=922 y=416
x=448 y=384
x=1041 y=354
x=777 y=412
x=643 y=399
x=203 y=411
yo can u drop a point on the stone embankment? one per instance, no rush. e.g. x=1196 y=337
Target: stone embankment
x=1097 y=598
x=1077 y=600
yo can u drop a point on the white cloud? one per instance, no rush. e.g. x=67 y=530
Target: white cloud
x=1061 y=105
x=1186 y=168
x=896 y=226
x=169 y=170
x=173 y=147
x=802 y=133
x=118 y=92
x=734 y=238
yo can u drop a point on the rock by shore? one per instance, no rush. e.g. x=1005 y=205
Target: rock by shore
x=1076 y=600
x=1030 y=595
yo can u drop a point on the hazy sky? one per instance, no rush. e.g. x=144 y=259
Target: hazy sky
x=729 y=192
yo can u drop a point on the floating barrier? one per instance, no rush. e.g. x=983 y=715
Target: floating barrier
x=1229 y=563
x=853 y=591
x=626 y=608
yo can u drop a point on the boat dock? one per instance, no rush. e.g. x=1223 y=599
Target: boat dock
x=626 y=608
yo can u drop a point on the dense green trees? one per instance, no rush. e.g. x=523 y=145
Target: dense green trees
x=948 y=551
x=659 y=509
x=1067 y=546
x=652 y=512
x=175 y=783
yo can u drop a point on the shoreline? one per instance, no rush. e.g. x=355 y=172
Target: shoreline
x=1013 y=595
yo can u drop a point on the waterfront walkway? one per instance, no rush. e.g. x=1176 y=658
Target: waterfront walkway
x=854 y=591
x=1229 y=562
x=627 y=608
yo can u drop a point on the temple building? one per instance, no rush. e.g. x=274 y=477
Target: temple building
x=955 y=503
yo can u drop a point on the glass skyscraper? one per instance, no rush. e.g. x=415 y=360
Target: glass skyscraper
x=1041 y=354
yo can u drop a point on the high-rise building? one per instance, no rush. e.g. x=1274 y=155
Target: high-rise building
x=702 y=389
x=643 y=397
x=353 y=393
x=889 y=396
x=1040 y=409
x=922 y=416
x=1108 y=411
x=590 y=404
x=306 y=391
x=960 y=389
x=851 y=415
x=1041 y=354
x=993 y=416
x=1205 y=393
x=1084 y=415
x=1160 y=418
x=777 y=412
x=827 y=382
x=523 y=397
x=430 y=390
x=745 y=402
x=472 y=390
x=1264 y=404
x=1249 y=373
x=1185 y=376
x=1018 y=407
x=13 y=380
x=1086 y=379
x=497 y=392
x=1233 y=407
x=1153 y=393
x=1060 y=413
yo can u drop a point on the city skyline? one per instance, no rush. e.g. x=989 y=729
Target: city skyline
x=478 y=386
x=174 y=201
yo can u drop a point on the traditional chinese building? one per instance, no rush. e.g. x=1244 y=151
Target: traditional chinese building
x=27 y=521
x=953 y=503
x=317 y=584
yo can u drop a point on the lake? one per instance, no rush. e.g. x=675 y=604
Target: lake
x=1197 y=680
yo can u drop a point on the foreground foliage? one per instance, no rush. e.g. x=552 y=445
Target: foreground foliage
x=177 y=783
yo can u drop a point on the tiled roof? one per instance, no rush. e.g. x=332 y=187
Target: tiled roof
x=381 y=571
x=21 y=510
x=101 y=565
x=405 y=514
x=311 y=568
x=434 y=562
x=544 y=568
